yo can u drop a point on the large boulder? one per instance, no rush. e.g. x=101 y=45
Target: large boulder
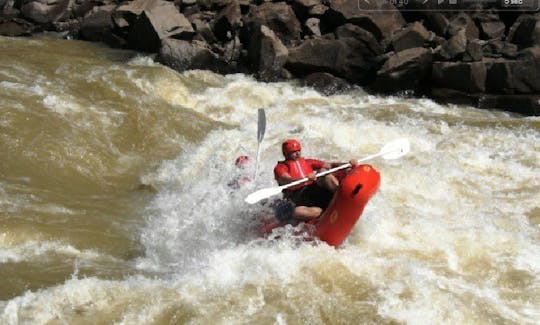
x=530 y=53
x=127 y=14
x=413 y=35
x=97 y=25
x=279 y=17
x=182 y=55
x=525 y=32
x=46 y=11
x=454 y=47
x=346 y=58
x=473 y=51
x=462 y=21
x=228 y=21
x=203 y=30
x=8 y=10
x=267 y=54
x=522 y=104
x=513 y=76
x=490 y=26
x=407 y=69
x=498 y=48
x=528 y=105
x=148 y=22
x=380 y=18
x=437 y=22
x=302 y=8
x=326 y=83
x=16 y=27
x=372 y=47
x=469 y=77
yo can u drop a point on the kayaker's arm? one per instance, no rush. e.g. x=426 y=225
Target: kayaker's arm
x=353 y=163
x=285 y=178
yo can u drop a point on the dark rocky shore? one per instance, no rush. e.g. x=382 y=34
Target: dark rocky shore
x=489 y=58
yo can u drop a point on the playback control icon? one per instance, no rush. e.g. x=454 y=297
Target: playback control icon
x=440 y=2
x=520 y=4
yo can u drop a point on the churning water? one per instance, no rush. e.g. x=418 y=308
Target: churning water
x=115 y=205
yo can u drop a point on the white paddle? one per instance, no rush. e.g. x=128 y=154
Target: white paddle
x=261 y=128
x=391 y=150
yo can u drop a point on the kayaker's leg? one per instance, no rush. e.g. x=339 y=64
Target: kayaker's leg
x=305 y=213
x=329 y=182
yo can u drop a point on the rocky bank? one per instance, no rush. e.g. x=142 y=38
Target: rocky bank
x=485 y=57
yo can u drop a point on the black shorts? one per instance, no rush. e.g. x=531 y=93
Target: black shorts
x=312 y=196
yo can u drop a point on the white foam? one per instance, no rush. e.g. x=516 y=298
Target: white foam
x=30 y=250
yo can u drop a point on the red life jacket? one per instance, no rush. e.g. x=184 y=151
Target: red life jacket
x=297 y=169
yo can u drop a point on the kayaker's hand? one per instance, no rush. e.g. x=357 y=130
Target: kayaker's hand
x=312 y=176
x=353 y=162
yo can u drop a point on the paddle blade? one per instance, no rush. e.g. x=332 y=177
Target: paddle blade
x=261 y=126
x=262 y=194
x=396 y=149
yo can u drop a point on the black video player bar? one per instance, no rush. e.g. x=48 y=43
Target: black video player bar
x=448 y=5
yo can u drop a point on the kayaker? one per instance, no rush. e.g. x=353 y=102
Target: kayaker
x=308 y=200
x=242 y=177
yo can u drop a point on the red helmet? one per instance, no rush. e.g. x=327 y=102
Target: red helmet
x=290 y=145
x=240 y=161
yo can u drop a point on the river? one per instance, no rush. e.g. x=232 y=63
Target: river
x=115 y=206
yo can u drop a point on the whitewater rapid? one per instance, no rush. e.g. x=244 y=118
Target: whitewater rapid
x=133 y=221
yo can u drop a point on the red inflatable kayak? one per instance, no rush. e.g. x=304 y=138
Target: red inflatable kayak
x=346 y=207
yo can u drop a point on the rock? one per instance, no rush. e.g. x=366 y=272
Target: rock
x=8 y=10
x=473 y=51
x=279 y=17
x=499 y=48
x=44 y=11
x=529 y=53
x=16 y=27
x=97 y=25
x=406 y=69
x=357 y=33
x=454 y=47
x=462 y=76
x=203 y=28
x=267 y=54
x=437 y=22
x=528 y=105
x=232 y=51
x=492 y=29
x=326 y=83
x=513 y=76
x=312 y=27
x=522 y=104
x=462 y=21
x=182 y=55
x=79 y=8
x=158 y=20
x=192 y=10
x=216 y=5
x=413 y=35
x=490 y=26
x=367 y=15
x=346 y=58
x=228 y=21
x=525 y=32
x=302 y=8
x=306 y=3
x=317 y=11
